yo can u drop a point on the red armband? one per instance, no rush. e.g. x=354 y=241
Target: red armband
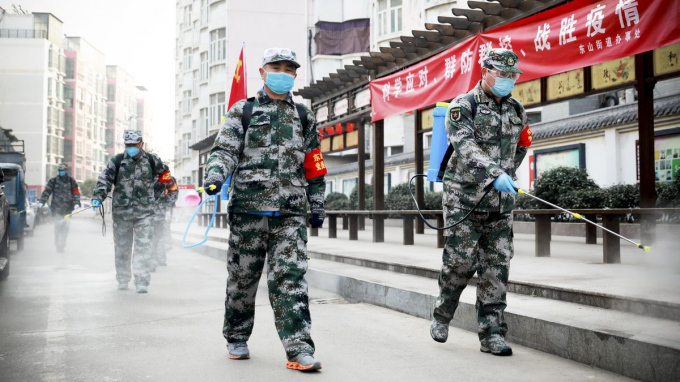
x=76 y=191
x=173 y=188
x=165 y=177
x=314 y=165
x=525 y=138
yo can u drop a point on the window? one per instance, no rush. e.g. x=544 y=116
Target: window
x=218 y=45
x=68 y=123
x=217 y=108
x=111 y=93
x=109 y=115
x=186 y=65
x=186 y=11
x=68 y=96
x=205 y=12
x=203 y=122
x=204 y=66
x=194 y=131
x=70 y=68
x=186 y=103
x=348 y=186
x=389 y=17
x=186 y=138
x=196 y=83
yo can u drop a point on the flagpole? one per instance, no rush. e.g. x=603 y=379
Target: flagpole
x=245 y=71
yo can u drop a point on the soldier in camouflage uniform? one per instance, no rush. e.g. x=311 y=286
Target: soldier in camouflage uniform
x=65 y=196
x=489 y=133
x=166 y=196
x=278 y=169
x=133 y=175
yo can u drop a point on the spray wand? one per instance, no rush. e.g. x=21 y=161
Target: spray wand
x=580 y=217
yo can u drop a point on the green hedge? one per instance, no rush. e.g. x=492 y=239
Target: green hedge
x=336 y=201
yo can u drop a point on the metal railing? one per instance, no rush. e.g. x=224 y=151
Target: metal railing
x=22 y=33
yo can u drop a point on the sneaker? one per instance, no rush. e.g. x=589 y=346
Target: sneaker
x=122 y=286
x=304 y=362
x=142 y=288
x=495 y=344
x=238 y=350
x=439 y=331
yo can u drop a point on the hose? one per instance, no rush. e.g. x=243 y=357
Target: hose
x=410 y=189
x=212 y=220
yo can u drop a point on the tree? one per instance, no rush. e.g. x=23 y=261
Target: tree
x=87 y=187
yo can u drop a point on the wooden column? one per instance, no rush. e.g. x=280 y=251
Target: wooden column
x=644 y=70
x=345 y=222
x=361 y=160
x=408 y=230
x=591 y=230
x=612 y=244
x=543 y=233
x=353 y=227
x=378 y=156
x=332 y=226
x=420 y=168
x=314 y=232
x=441 y=239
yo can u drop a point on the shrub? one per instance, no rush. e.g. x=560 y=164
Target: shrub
x=524 y=202
x=554 y=183
x=399 y=198
x=368 y=198
x=622 y=196
x=336 y=201
x=581 y=199
x=433 y=201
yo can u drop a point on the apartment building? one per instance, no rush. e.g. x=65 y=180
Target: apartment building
x=145 y=117
x=32 y=71
x=121 y=103
x=85 y=109
x=210 y=34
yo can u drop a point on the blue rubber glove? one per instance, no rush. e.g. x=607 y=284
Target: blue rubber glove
x=504 y=183
x=96 y=204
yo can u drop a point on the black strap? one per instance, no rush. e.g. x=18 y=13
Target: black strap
x=470 y=97
x=118 y=159
x=247 y=115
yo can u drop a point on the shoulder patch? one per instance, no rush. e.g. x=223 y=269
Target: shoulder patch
x=455 y=114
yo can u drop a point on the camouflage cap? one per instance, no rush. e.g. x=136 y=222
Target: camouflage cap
x=132 y=136
x=501 y=59
x=62 y=167
x=279 y=54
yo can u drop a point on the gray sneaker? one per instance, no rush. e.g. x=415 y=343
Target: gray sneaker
x=304 y=362
x=122 y=286
x=238 y=350
x=142 y=289
x=495 y=344
x=439 y=331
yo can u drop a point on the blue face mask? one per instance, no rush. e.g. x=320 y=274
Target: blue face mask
x=132 y=151
x=503 y=86
x=279 y=82
x=62 y=173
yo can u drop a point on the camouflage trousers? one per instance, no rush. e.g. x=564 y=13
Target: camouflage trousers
x=158 y=245
x=167 y=232
x=282 y=242
x=61 y=227
x=140 y=233
x=481 y=244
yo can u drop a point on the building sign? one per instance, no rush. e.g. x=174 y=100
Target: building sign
x=427 y=119
x=352 y=139
x=574 y=35
x=666 y=155
x=322 y=114
x=362 y=98
x=565 y=84
x=613 y=73
x=338 y=142
x=340 y=107
x=326 y=145
x=528 y=93
x=563 y=156
x=666 y=59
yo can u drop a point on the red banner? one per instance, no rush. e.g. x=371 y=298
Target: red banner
x=575 y=35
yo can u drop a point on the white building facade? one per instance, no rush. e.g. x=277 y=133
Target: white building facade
x=32 y=71
x=210 y=34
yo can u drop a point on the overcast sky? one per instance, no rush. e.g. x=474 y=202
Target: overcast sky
x=138 y=35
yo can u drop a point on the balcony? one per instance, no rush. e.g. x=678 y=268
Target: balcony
x=22 y=33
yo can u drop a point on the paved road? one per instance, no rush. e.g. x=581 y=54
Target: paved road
x=62 y=319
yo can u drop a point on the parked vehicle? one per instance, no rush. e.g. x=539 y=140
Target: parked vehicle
x=4 y=231
x=13 y=165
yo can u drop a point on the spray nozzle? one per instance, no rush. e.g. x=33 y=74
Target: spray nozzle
x=211 y=187
x=644 y=247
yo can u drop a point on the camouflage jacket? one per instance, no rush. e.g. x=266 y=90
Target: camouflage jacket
x=268 y=160
x=65 y=194
x=166 y=196
x=484 y=148
x=133 y=193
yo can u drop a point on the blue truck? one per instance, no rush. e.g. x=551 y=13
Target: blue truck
x=13 y=165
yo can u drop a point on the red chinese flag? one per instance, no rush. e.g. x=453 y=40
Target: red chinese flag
x=238 y=84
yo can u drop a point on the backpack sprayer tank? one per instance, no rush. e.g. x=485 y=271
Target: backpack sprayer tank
x=440 y=143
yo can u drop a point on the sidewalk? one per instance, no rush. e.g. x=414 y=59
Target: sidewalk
x=572 y=266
